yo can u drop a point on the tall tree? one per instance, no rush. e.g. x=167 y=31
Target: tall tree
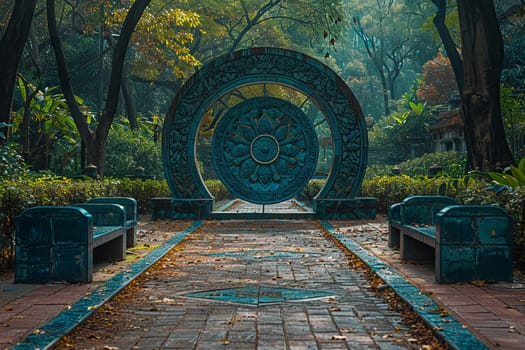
x=95 y=141
x=451 y=47
x=11 y=48
x=478 y=76
x=226 y=26
x=482 y=48
x=438 y=82
x=387 y=31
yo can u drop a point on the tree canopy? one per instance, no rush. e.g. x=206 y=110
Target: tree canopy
x=107 y=58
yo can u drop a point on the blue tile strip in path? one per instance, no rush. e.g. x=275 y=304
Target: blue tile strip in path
x=448 y=328
x=50 y=333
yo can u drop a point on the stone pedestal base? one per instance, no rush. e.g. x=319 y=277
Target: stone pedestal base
x=354 y=208
x=176 y=208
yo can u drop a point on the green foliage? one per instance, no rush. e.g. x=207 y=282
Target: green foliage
x=453 y=165
x=217 y=189
x=451 y=21
x=49 y=111
x=311 y=189
x=128 y=149
x=51 y=138
x=391 y=138
x=513 y=180
x=513 y=112
x=392 y=189
x=12 y=165
x=142 y=190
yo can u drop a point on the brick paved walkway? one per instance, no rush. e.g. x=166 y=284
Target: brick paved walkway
x=287 y=255
x=495 y=312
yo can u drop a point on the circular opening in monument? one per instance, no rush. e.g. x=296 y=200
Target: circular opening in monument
x=264 y=149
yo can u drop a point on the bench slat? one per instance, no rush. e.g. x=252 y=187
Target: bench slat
x=130 y=205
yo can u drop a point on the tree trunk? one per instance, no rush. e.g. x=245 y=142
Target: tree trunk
x=386 y=98
x=11 y=48
x=480 y=97
x=95 y=143
x=115 y=80
x=130 y=107
x=88 y=137
x=448 y=42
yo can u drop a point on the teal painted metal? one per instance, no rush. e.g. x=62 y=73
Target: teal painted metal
x=265 y=65
x=265 y=150
x=130 y=204
x=343 y=208
x=181 y=208
x=56 y=244
x=474 y=243
x=466 y=242
x=421 y=210
x=53 y=243
x=417 y=211
x=105 y=214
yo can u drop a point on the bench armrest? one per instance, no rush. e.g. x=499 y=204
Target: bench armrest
x=105 y=214
x=130 y=204
x=394 y=212
x=473 y=224
x=47 y=225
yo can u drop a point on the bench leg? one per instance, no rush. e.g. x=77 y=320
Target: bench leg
x=394 y=239
x=131 y=237
x=413 y=249
x=112 y=250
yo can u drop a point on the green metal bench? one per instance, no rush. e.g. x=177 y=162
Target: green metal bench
x=415 y=211
x=466 y=242
x=130 y=204
x=58 y=243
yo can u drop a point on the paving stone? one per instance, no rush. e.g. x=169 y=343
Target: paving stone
x=280 y=254
x=177 y=323
x=302 y=345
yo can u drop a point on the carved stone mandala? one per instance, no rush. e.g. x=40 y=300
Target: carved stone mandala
x=265 y=162
x=265 y=150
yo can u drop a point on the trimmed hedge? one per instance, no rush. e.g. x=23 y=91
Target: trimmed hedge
x=18 y=195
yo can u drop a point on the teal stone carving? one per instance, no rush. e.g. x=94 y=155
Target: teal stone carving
x=261 y=295
x=264 y=65
x=265 y=150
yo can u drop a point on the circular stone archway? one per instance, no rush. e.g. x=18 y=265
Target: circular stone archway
x=266 y=65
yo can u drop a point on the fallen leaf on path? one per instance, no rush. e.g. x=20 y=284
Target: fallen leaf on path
x=339 y=337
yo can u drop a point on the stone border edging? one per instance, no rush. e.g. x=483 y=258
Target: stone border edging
x=50 y=333
x=447 y=328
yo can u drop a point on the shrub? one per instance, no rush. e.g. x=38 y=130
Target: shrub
x=452 y=163
x=311 y=190
x=392 y=189
x=217 y=189
x=128 y=149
